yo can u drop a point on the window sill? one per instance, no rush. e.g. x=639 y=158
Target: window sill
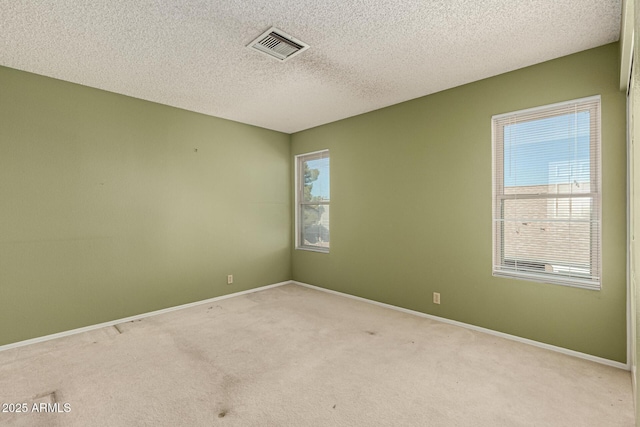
x=313 y=249
x=541 y=278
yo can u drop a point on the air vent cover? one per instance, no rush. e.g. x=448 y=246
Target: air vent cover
x=278 y=44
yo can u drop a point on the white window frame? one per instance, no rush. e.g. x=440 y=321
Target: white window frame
x=299 y=197
x=499 y=267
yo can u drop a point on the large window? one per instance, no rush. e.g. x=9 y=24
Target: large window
x=312 y=201
x=546 y=194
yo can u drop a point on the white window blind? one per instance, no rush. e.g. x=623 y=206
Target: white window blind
x=546 y=194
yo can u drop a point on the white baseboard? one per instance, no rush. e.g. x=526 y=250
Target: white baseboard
x=136 y=317
x=634 y=387
x=562 y=350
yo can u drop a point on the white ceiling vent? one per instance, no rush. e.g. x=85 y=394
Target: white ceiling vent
x=278 y=44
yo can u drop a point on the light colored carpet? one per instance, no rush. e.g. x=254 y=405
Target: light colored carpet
x=292 y=356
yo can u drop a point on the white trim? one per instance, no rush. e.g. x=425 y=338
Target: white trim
x=551 y=279
x=547 y=106
x=562 y=350
x=631 y=284
x=136 y=317
x=318 y=249
x=628 y=235
x=296 y=197
x=311 y=153
x=634 y=386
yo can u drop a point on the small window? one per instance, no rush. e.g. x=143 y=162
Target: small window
x=312 y=201
x=546 y=194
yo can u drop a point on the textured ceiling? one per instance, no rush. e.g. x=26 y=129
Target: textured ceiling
x=364 y=55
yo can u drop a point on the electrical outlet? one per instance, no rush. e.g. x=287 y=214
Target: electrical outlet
x=229 y=279
x=436 y=297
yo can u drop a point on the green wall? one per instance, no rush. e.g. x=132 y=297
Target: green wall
x=108 y=211
x=411 y=208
